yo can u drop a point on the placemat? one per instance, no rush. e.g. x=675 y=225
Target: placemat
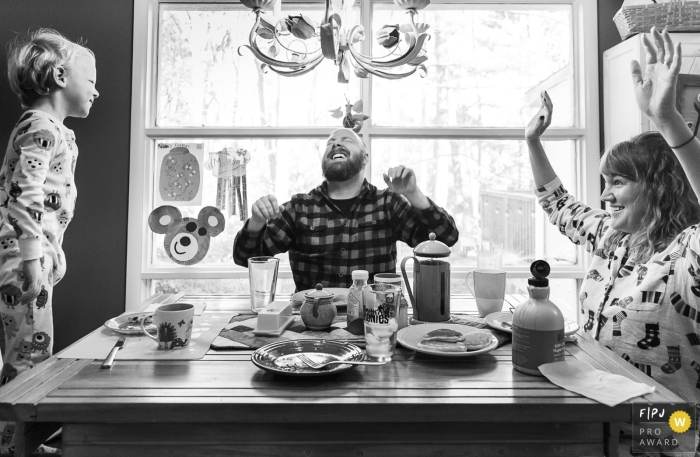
x=238 y=334
x=139 y=347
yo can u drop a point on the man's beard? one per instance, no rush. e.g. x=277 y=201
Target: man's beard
x=342 y=171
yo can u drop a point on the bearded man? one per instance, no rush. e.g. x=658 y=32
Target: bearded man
x=345 y=224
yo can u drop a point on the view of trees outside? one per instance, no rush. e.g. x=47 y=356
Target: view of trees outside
x=484 y=62
x=486 y=67
x=203 y=81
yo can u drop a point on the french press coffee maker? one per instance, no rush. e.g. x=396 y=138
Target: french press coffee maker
x=431 y=281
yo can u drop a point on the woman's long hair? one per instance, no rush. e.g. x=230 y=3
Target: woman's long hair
x=671 y=205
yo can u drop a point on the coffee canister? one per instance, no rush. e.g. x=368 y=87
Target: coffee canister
x=394 y=279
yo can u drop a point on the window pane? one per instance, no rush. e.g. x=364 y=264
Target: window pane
x=487 y=65
x=280 y=167
x=239 y=286
x=486 y=185
x=203 y=81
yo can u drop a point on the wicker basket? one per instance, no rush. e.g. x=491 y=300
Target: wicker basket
x=674 y=15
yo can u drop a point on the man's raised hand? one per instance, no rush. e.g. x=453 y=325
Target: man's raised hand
x=264 y=209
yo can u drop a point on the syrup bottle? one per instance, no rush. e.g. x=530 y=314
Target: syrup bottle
x=538 y=325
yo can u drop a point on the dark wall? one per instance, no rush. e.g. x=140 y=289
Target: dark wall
x=95 y=242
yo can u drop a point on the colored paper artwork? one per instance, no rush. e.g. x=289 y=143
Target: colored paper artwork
x=179 y=180
x=229 y=168
x=186 y=239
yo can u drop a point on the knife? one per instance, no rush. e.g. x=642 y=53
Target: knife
x=113 y=353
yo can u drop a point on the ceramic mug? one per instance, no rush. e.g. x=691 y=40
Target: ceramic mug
x=173 y=325
x=488 y=288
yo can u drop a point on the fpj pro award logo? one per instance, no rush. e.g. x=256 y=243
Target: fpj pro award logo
x=664 y=428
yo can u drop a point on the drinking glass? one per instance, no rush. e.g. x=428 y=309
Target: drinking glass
x=262 y=273
x=489 y=255
x=381 y=304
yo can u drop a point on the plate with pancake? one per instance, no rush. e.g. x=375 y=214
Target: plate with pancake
x=447 y=340
x=504 y=321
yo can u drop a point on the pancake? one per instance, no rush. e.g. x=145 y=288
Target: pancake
x=477 y=340
x=443 y=346
x=444 y=334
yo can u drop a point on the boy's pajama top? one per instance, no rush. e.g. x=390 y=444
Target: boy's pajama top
x=37 y=200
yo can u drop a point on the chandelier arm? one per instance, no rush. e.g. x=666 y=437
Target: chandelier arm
x=411 y=54
x=313 y=54
x=299 y=71
x=268 y=60
x=385 y=75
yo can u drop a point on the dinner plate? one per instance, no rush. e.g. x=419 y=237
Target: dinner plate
x=340 y=296
x=411 y=336
x=281 y=357
x=129 y=323
x=504 y=321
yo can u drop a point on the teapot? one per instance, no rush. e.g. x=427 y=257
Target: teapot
x=431 y=281
x=318 y=310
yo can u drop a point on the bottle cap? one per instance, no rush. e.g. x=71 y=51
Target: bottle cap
x=360 y=274
x=540 y=270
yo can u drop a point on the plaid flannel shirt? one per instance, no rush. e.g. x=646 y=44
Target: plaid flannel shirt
x=325 y=247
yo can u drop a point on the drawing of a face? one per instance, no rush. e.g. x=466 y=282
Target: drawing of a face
x=44 y=139
x=186 y=239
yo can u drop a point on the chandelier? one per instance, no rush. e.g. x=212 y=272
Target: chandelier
x=282 y=44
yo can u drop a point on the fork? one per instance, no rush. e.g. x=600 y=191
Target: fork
x=319 y=365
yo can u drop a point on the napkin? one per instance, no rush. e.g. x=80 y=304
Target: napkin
x=580 y=377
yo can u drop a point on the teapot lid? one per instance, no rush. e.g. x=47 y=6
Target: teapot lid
x=432 y=248
x=318 y=293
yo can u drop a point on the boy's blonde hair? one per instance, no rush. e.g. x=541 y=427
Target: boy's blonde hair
x=31 y=61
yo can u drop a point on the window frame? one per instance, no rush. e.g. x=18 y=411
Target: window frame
x=145 y=133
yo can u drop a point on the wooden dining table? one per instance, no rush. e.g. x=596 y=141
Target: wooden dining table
x=223 y=405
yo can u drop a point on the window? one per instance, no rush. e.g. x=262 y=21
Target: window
x=460 y=127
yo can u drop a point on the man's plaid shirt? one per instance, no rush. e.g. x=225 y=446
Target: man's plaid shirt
x=325 y=247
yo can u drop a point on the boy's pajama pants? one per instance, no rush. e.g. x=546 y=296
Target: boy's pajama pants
x=28 y=327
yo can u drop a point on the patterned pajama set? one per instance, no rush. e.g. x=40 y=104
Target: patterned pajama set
x=649 y=313
x=37 y=199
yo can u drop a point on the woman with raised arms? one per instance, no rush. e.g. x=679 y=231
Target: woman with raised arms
x=641 y=295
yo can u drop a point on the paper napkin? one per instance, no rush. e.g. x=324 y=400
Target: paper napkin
x=580 y=377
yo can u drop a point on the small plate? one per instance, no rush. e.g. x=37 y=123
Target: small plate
x=281 y=357
x=129 y=324
x=504 y=320
x=340 y=296
x=411 y=336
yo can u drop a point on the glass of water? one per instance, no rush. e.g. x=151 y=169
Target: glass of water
x=381 y=305
x=489 y=255
x=262 y=273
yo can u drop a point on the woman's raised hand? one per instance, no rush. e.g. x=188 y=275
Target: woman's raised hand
x=539 y=123
x=656 y=91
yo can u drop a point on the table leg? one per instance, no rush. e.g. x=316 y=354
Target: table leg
x=29 y=435
x=611 y=439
